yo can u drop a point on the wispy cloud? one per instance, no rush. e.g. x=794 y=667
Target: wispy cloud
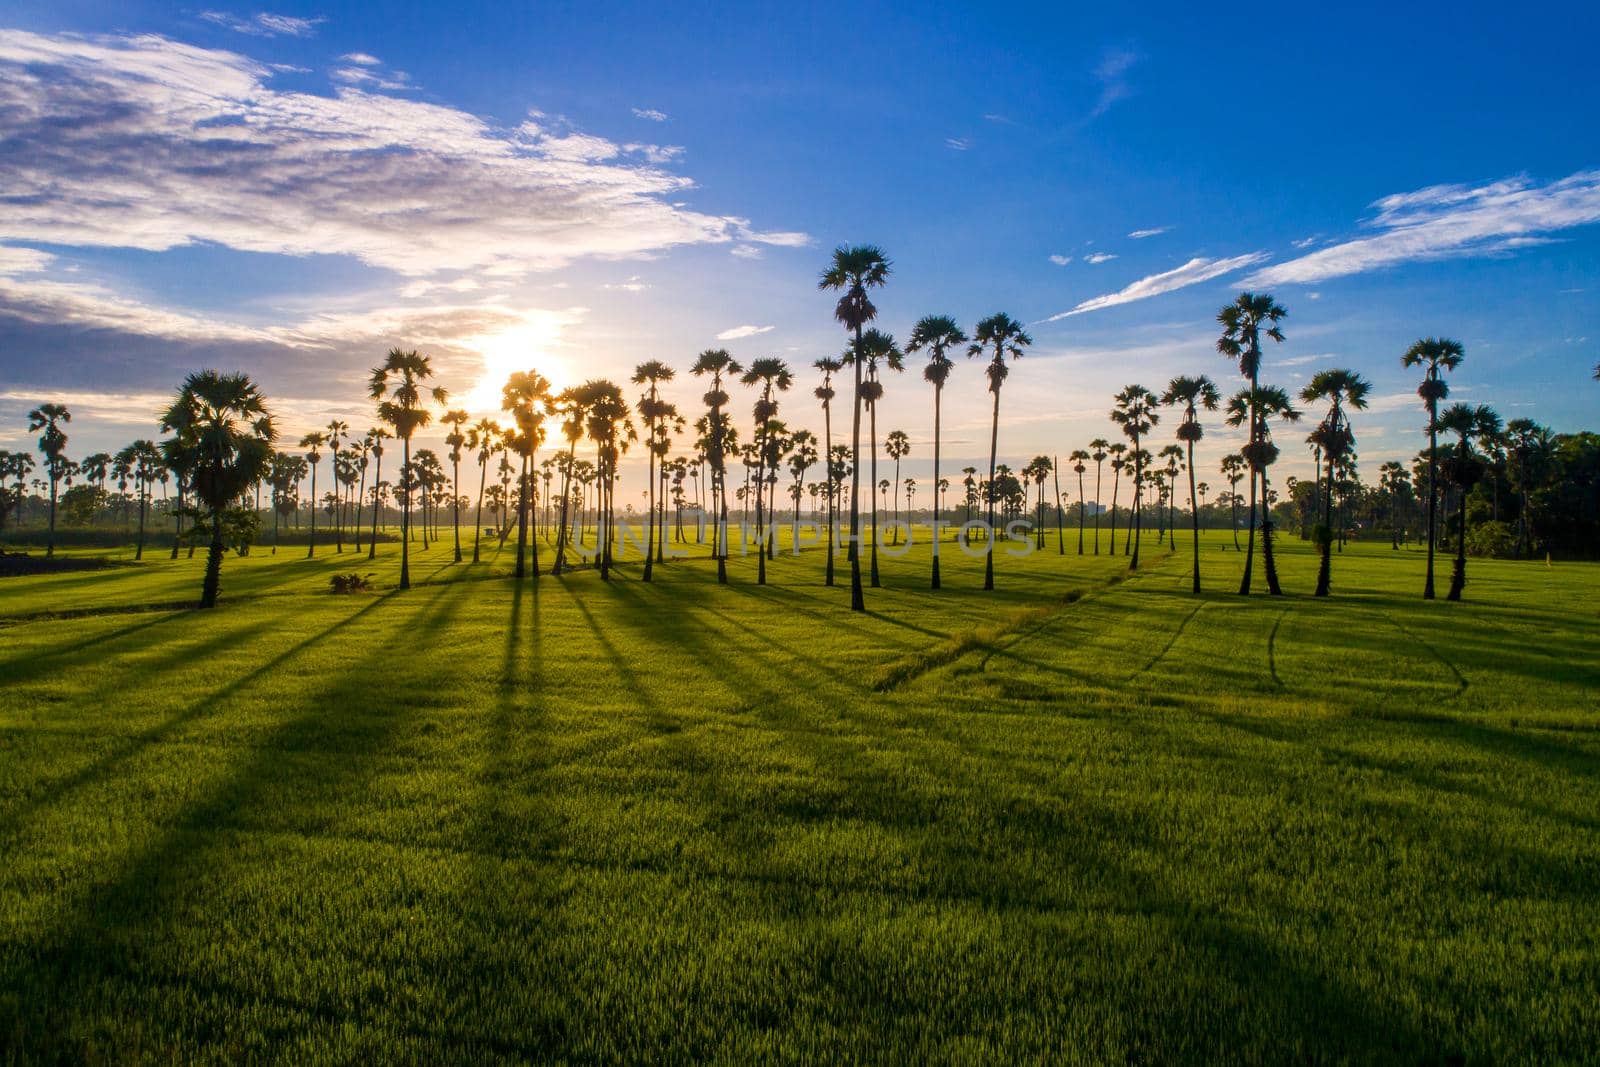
x=1449 y=221
x=264 y=24
x=1060 y=260
x=650 y=114
x=364 y=59
x=999 y=119
x=1100 y=257
x=635 y=284
x=1191 y=273
x=1111 y=72
x=198 y=146
x=737 y=332
x=1155 y=231
x=745 y=251
x=960 y=144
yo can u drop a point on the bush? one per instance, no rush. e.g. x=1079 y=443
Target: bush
x=1494 y=539
x=350 y=583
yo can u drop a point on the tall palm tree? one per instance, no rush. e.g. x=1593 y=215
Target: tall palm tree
x=1242 y=329
x=937 y=334
x=1437 y=354
x=875 y=345
x=999 y=336
x=1136 y=414
x=611 y=428
x=652 y=409
x=571 y=406
x=457 y=440
x=853 y=272
x=1037 y=470
x=1174 y=457
x=772 y=376
x=1232 y=468
x=1079 y=459
x=1099 y=448
x=1333 y=437
x=313 y=444
x=376 y=436
x=716 y=362
x=363 y=447
x=824 y=392
x=1464 y=469
x=802 y=456
x=1263 y=404
x=1119 y=462
x=526 y=396
x=896 y=446
x=1193 y=393
x=397 y=386
x=53 y=446
x=337 y=431
x=223 y=420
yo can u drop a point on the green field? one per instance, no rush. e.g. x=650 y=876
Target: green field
x=1079 y=818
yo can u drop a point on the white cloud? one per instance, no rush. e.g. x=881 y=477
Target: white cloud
x=743 y=331
x=746 y=251
x=960 y=144
x=1191 y=273
x=1446 y=221
x=1000 y=119
x=1099 y=257
x=1156 y=231
x=1111 y=73
x=264 y=24
x=1305 y=242
x=148 y=143
x=1060 y=260
x=364 y=59
x=634 y=284
x=650 y=114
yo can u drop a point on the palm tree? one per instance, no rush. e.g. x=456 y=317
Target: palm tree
x=1464 y=469
x=1194 y=393
x=1079 y=459
x=969 y=485
x=825 y=393
x=1136 y=414
x=1037 y=470
x=1437 y=354
x=716 y=362
x=1005 y=336
x=896 y=446
x=1174 y=457
x=376 y=436
x=1242 y=323
x=526 y=396
x=223 y=420
x=397 y=385
x=771 y=374
x=852 y=273
x=313 y=443
x=1263 y=403
x=611 y=428
x=53 y=445
x=1099 y=449
x=802 y=456
x=1334 y=439
x=457 y=440
x=483 y=437
x=938 y=334
x=875 y=345
x=1233 y=470
x=657 y=414
x=337 y=430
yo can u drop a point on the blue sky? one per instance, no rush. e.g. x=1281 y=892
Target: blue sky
x=290 y=190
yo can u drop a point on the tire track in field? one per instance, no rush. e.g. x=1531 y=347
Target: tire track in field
x=1461 y=679
x=1159 y=656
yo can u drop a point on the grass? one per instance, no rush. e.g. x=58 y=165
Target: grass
x=1079 y=819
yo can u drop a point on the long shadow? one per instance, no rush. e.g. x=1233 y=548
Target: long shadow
x=133 y=745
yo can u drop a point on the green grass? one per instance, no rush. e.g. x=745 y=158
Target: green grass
x=1081 y=818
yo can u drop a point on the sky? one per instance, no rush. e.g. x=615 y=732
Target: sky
x=576 y=188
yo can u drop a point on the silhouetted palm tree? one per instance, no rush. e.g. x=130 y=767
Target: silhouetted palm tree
x=1232 y=468
x=1334 y=438
x=825 y=393
x=896 y=446
x=1438 y=354
x=313 y=444
x=397 y=385
x=1174 y=457
x=937 y=334
x=1193 y=393
x=1242 y=328
x=52 y=445
x=1119 y=462
x=717 y=362
x=852 y=273
x=484 y=438
x=1079 y=459
x=772 y=376
x=1263 y=404
x=802 y=456
x=526 y=397
x=1464 y=469
x=376 y=436
x=456 y=439
x=223 y=420
x=652 y=373
x=1005 y=337
x=1136 y=414
x=875 y=346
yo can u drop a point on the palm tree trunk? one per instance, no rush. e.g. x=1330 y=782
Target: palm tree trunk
x=1194 y=519
x=1433 y=494
x=522 y=519
x=377 y=507
x=213 y=579
x=827 y=477
x=937 y=390
x=311 y=545
x=1458 y=576
x=994 y=452
x=858 y=600
x=1097 y=509
x=1268 y=562
x=138 y=550
x=650 y=528
x=405 y=519
x=1116 y=484
x=1325 y=537
x=1136 y=531
x=1061 y=544
x=872 y=433
x=1250 y=536
x=477 y=526
x=455 y=504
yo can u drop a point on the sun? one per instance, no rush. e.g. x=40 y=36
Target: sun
x=525 y=346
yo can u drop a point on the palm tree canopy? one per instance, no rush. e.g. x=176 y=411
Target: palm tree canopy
x=1005 y=337
x=938 y=334
x=397 y=384
x=1339 y=387
x=1241 y=323
x=876 y=345
x=226 y=432
x=855 y=269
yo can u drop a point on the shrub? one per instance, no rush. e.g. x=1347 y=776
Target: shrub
x=350 y=583
x=1494 y=539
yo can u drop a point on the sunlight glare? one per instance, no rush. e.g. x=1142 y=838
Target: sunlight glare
x=525 y=346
